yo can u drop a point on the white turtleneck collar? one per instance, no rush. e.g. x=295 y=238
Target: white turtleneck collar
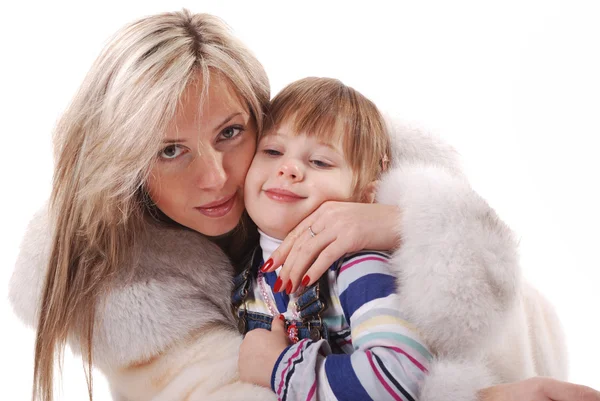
x=268 y=245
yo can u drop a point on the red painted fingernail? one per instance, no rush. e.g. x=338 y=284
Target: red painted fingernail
x=267 y=265
x=305 y=280
x=288 y=288
x=277 y=285
x=281 y=317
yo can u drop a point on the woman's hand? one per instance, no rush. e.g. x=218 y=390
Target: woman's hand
x=539 y=389
x=259 y=353
x=339 y=228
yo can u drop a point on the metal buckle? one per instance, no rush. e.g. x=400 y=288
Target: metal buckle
x=315 y=332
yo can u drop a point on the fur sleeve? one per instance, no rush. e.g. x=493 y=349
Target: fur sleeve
x=180 y=284
x=28 y=277
x=457 y=264
x=181 y=281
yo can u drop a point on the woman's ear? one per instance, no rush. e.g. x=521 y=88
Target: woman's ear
x=369 y=192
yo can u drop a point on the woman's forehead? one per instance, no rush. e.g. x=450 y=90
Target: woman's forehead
x=212 y=105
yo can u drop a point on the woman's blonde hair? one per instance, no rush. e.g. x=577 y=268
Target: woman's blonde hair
x=105 y=144
x=331 y=111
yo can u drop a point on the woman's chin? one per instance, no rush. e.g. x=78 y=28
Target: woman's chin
x=220 y=228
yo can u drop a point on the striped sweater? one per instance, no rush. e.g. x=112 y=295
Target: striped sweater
x=383 y=357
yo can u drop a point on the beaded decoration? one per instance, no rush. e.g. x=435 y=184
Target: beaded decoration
x=292 y=328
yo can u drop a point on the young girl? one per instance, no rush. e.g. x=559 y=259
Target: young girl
x=325 y=141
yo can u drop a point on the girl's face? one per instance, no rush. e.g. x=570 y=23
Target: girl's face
x=198 y=180
x=291 y=176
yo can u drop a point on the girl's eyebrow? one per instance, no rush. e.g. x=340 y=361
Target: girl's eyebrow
x=320 y=142
x=327 y=144
x=331 y=146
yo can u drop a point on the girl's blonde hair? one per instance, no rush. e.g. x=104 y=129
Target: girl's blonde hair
x=105 y=144
x=331 y=111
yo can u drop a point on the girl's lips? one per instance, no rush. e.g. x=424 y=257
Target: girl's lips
x=216 y=209
x=281 y=195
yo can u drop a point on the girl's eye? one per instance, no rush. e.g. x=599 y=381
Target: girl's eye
x=320 y=164
x=272 y=152
x=171 y=152
x=231 y=132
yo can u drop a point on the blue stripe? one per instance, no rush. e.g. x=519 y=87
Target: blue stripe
x=361 y=269
x=342 y=379
x=366 y=289
x=281 y=298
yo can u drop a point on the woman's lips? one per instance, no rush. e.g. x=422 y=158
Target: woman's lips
x=282 y=195
x=218 y=208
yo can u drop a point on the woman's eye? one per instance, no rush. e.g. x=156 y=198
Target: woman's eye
x=320 y=164
x=171 y=152
x=231 y=132
x=272 y=152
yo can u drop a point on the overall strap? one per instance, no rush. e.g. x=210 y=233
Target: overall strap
x=242 y=286
x=313 y=302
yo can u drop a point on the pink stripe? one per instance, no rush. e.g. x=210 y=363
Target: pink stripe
x=289 y=362
x=381 y=379
x=418 y=359
x=413 y=360
x=349 y=265
x=311 y=393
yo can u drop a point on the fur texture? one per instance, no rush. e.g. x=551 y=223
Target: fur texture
x=167 y=331
x=459 y=279
x=457 y=266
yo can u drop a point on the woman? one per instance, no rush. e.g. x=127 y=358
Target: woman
x=150 y=159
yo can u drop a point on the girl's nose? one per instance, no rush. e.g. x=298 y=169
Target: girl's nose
x=290 y=170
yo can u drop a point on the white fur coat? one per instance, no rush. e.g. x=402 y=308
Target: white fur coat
x=168 y=333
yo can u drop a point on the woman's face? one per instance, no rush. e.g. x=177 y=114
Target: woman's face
x=198 y=180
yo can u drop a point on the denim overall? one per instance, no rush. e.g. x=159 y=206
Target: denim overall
x=310 y=305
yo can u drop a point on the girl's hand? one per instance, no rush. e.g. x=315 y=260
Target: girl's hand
x=339 y=228
x=259 y=353
x=539 y=389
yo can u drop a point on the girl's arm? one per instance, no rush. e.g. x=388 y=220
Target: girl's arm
x=389 y=360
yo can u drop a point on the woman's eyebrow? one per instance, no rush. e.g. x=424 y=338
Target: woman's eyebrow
x=226 y=120
x=178 y=140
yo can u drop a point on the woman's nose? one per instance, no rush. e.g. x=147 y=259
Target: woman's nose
x=291 y=170
x=211 y=172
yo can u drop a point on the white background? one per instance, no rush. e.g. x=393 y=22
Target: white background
x=514 y=86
